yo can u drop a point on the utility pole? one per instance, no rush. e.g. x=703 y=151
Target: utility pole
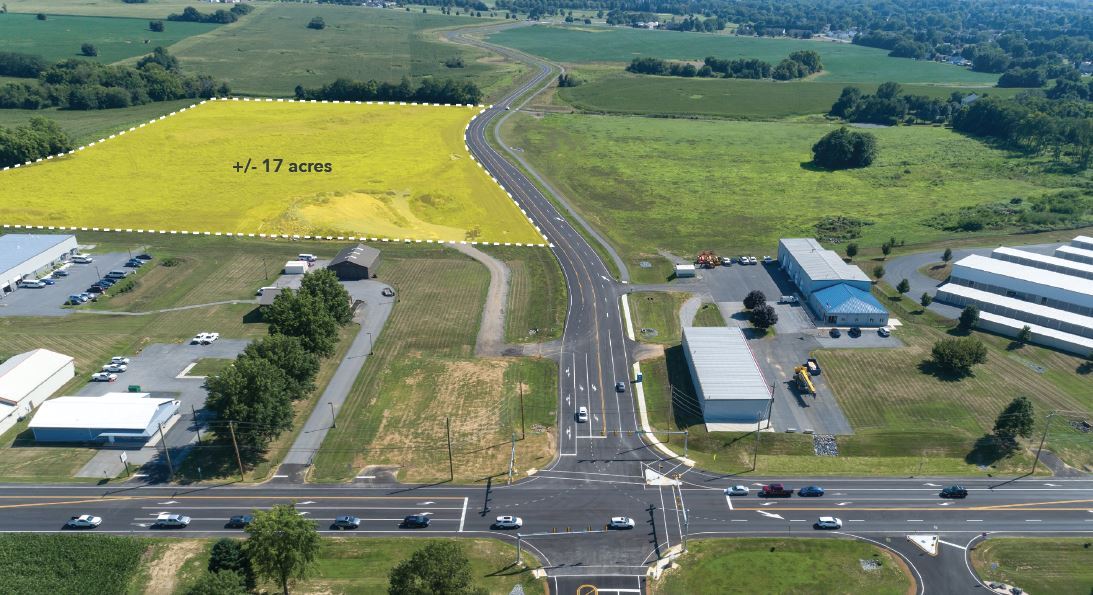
x=333 y=419
x=682 y=507
x=671 y=398
x=686 y=435
x=512 y=457
x=1043 y=437
x=238 y=459
x=196 y=425
x=520 y=387
x=369 y=342
x=166 y=452
x=451 y=465
x=519 y=550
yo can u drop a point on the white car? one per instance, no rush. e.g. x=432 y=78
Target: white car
x=508 y=522
x=115 y=368
x=166 y=519
x=753 y=260
x=84 y=521
x=210 y=337
x=582 y=415
x=767 y=259
x=31 y=284
x=204 y=338
x=884 y=332
x=829 y=522
x=82 y=259
x=621 y=522
x=117 y=359
x=737 y=491
x=103 y=377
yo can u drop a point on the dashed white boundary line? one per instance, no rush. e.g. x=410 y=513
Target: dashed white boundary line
x=481 y=109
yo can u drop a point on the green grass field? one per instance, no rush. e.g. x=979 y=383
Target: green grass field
x=157 y=9
x=91 y=125
x=659 y=313
x=709 y=315
x=271 y=51
x=537 y=294
x=740 y=99
x=75 y=563
x=754 y=565
x=843 y=62
x=1062 y=565
x=651 y=184
x=210 y=366
x=411 y=178
x=424 y=371
x=59 y=37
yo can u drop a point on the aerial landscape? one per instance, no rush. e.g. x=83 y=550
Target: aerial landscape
x=459 y=296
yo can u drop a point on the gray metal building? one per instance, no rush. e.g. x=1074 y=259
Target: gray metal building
x=355 y=263
x=728 y=382
x=837 y=293
x=111 y=418
x=31 y=255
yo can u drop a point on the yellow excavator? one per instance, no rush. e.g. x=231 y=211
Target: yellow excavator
x=803 y=380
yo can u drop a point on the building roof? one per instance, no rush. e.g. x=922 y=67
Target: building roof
x=114 y=411
x=724 y=364
x=268 y=295
x=23 y=373
x=17 y=248
x=1082 y=242
x=359 y=255
x=1015 y=324
x=1082 y=252
x=819 y=263
x=1013 y=270
x=1015 y=304
x=1080 y=267
x=845 y=299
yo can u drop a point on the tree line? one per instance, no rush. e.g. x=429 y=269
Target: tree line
x=256 y=393
x=84 y=85
x=799 y=64
x=38 y=139
x=193 y=15
x=427 y=91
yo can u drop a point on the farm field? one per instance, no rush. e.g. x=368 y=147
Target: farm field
x=843 y=62
x=59 y=37
x=84 y=126
x=159 y=9
x=1049 y=565
x=650 y=184
x=75 y=563
x=740 y=99
x=424 y=370
x=750 y=565
x=412 y=179
x=271 y=51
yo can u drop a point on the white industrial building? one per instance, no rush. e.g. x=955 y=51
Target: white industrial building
x=1075 y=254
x=28 y=379
x=730 y=387
x=114 y=417
x=1083 y=242
x=1052 y=295
x=296 y=267
x=838 y=293
x=24 y=256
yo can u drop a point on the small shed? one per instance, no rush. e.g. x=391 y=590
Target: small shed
x=114 y=417
x=355 y=263
x=296 y=267
x=685 y=270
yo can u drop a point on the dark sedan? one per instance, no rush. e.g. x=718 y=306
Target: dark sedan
x=415 y=521
x=813 y=491
x=239 y=521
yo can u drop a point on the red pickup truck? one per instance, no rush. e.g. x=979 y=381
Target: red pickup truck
x=775 y=490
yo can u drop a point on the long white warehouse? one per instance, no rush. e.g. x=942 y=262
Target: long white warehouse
x=1075 y=254
x=1047 y=288
x=1043 y=261
x=29 y=255
x=729 y=385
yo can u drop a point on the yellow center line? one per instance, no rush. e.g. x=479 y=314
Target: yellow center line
x=1001 y=506
x=85 y=501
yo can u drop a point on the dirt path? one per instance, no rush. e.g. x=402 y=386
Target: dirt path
x=163 y=571
x=491 y=333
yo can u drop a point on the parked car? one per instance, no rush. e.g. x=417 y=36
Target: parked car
x=84 y=521
x=105 y=283
x=115 y=368
x=828 y=522
x=787 y=299
x=884 y=332
x=96 y=289
x=753 y=260
x=415 y=521
x=167 y=520
x=60 y=273
x=387 y=292
x=508 y=522
x=854 y=332
x=117 y=359
x=82 y=259
x=143 y=257
x=620 y=522
x=239 y=521
x=811 y=491
x=726 y=261
x=346 y=522
x=134 y=263
x=31 y=284
x=743 y=260
x=117 y=274
x=262 y=290
x=767 y=259
x=835 y=333
x=620 y=387
x=740 y=490
x=954 y=492
x=306 y=257
x=47 y=281
x=582 y=415
x=103 y=377
x=204 y=338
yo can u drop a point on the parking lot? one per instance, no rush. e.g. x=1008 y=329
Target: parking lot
x=49 y=300
x=156 y=370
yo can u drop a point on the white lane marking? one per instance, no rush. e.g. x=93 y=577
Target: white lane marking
x=365 y=477
x=843 y=503
x=796 y=520
x=170 y=502
x=974 y=521
x=463 y=517
x=914 y=520
x=952 y=544
x=944 y=503
x=728 y=500
x=1032 y=520
x=1052 y=485
x=739 y=520
x=306 y=502
x=767 y=503
x=770 y=514
x=933 y=485
x=425 y=503
x=279 y=476
x=856 y=520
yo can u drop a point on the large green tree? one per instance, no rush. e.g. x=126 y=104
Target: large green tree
x=324 y=286
x=227 y=555
x=958 y=355
x=969 y=316
x=302 y=315
x=288 y=354
x=439 y=567
x=764 y=316
x=1015 y=420
x=844 y=148
x=255 y=395
x=225 y=582
x=282 y=544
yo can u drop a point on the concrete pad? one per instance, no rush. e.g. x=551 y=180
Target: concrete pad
x=656 y=479
x=926 y=543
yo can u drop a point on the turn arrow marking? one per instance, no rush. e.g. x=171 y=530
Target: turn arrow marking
x=170 y=502
x=425 y=503
x=307 y=502
x=843 y=503
x=767 y=503
x=770 y=514
x=932 y=485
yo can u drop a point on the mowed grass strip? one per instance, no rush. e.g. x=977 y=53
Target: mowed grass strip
x=843 y=62
x=754 y=565
x=537 y=294
x=397 y=171
x=658 y=312
x=423 y=370
x=650 y=184
x=1062 y=565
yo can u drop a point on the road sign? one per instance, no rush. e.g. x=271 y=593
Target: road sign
x=124 y=457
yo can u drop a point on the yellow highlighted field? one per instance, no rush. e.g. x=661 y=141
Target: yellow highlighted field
x=394 y=171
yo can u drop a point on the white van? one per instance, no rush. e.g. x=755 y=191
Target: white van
x=117 y=274
x=82 y=259
x=307 y=257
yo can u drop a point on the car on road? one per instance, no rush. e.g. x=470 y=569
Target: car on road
x=835 y=333
x=884 y=332
x=954 y=492
x=737 y=491
x=60 y=273
x=84 y=521
x=854 y=332
x=621 y=522
x=115 y=368
x=103 y=377
x=508 y=522
x=582 y=415
x=167 y=520
x=415 y=521
x=387 y=292
x=811 y=491
x=828 y=522
x=620 y=387
x=239 y=521
x=776 y=490
x=346 y=522
x=118 y=359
